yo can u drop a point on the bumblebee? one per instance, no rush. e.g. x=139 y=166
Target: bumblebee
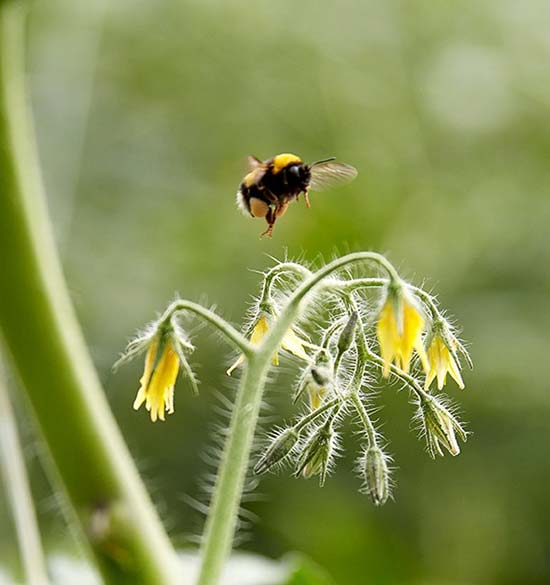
x=271 y=185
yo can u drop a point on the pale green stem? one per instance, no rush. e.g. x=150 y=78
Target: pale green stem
x=292 y=308
x=358 y=283
x=49 y=354
x=306 y=420
x=221 y=325
x=354 y=284
x=222 y=518
x=12 y=466
x=365 y=419
x=279 y=270
x=223 y=514
x=361 y=366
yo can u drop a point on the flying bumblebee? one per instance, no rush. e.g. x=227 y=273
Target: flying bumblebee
x=271 y=185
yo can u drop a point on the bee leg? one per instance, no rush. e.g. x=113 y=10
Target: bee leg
x=268 y=232
x=271 y=218
x=281 y=210
x=306 y=197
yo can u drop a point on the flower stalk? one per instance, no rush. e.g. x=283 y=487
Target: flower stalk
x=50 y=356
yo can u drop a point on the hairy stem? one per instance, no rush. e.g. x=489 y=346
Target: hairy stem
x=19 y=493
x=221 y=522
x=276 y=272
x=306 y=420
x=47 y=349
x=221 y=325
x=223 y=515
x=362 y=360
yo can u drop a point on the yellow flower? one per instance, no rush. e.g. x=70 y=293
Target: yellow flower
x=159 y=377
x=316 y=395
x=291 y=342
x=399 y=332
x=442 y=362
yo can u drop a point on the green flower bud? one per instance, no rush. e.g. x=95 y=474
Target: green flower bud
x=376 y=475
x=441 y=427
x=277 y=451
x=348 y=333
x=316 y=455
x=321 y=375
x=316 y=380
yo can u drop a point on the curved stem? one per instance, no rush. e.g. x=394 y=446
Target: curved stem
x=365 y=419
x=18 y=488
x=340 y=263
x=291 y=310
x=271 y=277
x=47 y=349
x=285 y=268
x=228 y=331
x=221 y=522
x=223 y=514
x=349 y=286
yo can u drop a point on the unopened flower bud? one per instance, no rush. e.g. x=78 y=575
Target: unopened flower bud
x=348 y=333
x=316 y=380
x=277 y=451
x=316 y=455
x=376 y=475
x=441 y=427
x=321 y=375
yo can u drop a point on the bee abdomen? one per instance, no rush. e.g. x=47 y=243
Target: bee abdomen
x=242 y=203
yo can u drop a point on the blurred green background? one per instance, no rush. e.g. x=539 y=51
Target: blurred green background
x=145 y=112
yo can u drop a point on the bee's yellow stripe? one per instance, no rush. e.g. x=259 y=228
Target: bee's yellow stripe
x=282 y=161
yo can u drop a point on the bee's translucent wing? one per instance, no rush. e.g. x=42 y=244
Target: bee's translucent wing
x=256 y=171
x=254 y=163
x=331 y=174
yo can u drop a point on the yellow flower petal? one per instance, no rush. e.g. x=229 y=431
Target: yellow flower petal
x=295 y=345
x=441 y=363
x=157 y=382
x=388 y=336
x=291 y=342
x=260 y=330
x=147 y=371
x=316 y=395
x=413 y=325
x=235 y=365
x=399 y=337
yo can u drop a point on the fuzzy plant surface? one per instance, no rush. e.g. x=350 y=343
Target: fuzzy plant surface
x=350 y=323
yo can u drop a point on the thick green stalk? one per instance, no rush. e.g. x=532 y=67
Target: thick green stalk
x=222 y=518
x=12 y=468
x=45 y=343
x=223 y=514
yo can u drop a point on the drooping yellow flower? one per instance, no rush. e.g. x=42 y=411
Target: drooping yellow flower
x=159 y=377
x=291 y=342
x=399 y=332
x=442 y=362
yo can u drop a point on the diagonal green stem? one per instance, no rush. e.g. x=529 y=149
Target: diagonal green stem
x=48 y=352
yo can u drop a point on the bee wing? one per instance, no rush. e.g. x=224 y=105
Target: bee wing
x=254 y=163
x=331 y=174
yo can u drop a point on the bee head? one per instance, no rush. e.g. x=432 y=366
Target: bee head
x=299 y=172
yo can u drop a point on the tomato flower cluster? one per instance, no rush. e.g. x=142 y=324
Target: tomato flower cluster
x=348 y=331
